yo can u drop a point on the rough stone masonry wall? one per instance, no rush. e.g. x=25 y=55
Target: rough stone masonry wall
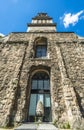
x=73 y=56
x=16 y=66
x=58 y=105
x=11 y=56
x=72 y=107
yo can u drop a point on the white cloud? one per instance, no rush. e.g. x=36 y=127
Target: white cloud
x=72 y=18
x=2 y=35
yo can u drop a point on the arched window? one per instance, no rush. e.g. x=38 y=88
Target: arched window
x=40 y=91
x=40 y=47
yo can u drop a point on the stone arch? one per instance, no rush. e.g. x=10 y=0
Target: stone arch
x=40 y=40
x=39 y=70
x=35 y=69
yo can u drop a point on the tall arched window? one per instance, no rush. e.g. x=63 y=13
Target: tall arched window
x=40 y=91
x=40 y=47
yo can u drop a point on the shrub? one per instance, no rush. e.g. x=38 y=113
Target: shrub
x=65 y=125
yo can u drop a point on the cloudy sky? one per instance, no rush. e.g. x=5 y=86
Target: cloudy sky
x=68 y=14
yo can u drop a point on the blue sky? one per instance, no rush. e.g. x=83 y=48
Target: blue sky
x=68 y=14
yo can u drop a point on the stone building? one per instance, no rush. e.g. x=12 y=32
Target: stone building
x=41 y=65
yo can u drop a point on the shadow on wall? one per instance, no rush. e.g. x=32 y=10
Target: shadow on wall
x=79 y=102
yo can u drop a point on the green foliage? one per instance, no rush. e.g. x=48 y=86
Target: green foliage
x=65 y=125
x=55 y=123
x=7 y=128
x=35 y=120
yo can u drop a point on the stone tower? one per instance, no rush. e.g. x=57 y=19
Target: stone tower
x=41 y=65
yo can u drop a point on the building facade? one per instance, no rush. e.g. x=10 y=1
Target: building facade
x=41 y=65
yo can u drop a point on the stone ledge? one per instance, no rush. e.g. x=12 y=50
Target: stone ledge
x=40 y=59
x=33 y=126
x=14 y=128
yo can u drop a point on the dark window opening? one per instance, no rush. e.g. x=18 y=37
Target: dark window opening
x=40 y=91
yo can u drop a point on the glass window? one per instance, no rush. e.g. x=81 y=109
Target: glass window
x=40 y=84
x=40 y=98
x=47 y=100
x=34 y=84
x=40 y=81
x=40 y=92
x=32 y=108
x=38 y=51
x=41 y=50
x=46 y=85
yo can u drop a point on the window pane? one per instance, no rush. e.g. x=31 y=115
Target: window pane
x=40 y=84
x=38 y=51
x=38 y=54
x=41 y=51
x=32 y=108
x=34 y=84
x=43 y=54
x=44 y=51
x=47 y=114
x=40 y=97
x=46 y=85
x=47 y=100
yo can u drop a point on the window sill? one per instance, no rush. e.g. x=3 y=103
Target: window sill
x=40 y=59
